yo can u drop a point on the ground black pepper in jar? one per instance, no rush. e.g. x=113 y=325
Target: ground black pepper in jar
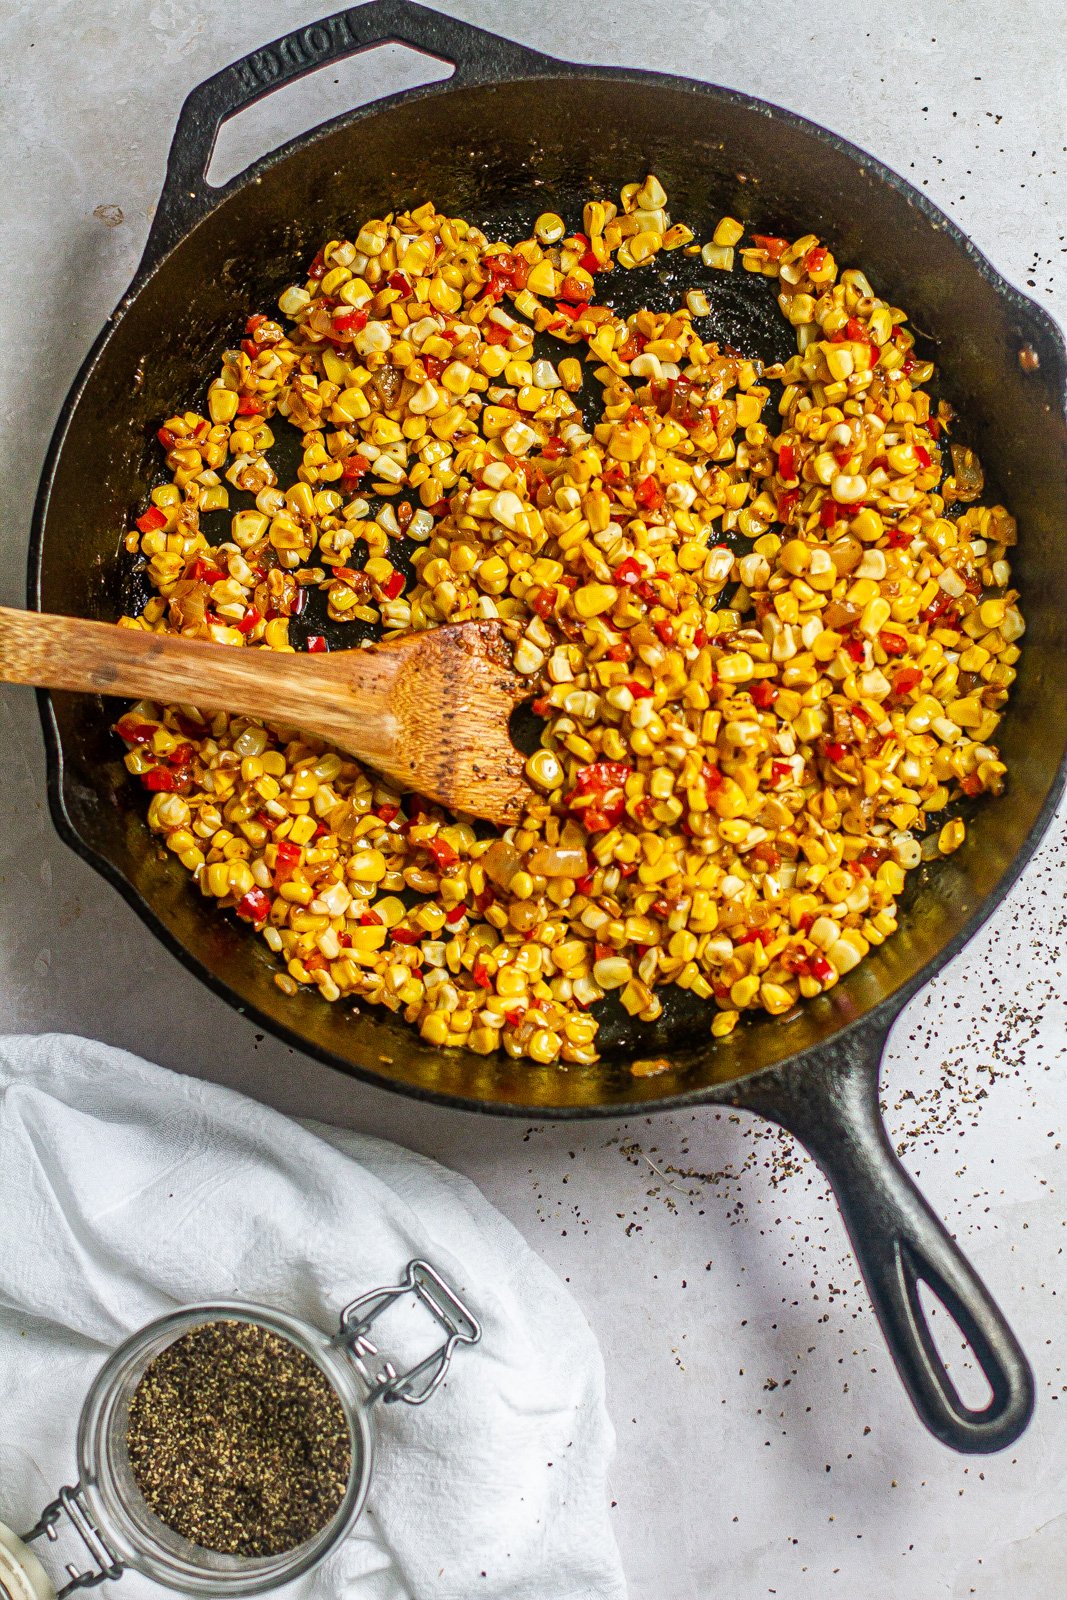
x=238 y=1441
x=162 y=1462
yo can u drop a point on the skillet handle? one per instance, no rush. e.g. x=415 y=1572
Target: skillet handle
x=899 y=1243
x=478 y=57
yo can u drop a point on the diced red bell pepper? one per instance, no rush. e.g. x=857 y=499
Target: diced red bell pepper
x=774 y=247
x=922 y=456
x=906 y=679
x=481 y=976
x=787 y=461
x=649 y=495
x=713 y=779
x=893 y=644
x=815 y=258
x=584 y=884
x=354 y=469
x=898 y=539
x=161 y=780
x=493 y=333
x=599 y=818
x=249 y=406
x=764 y=694
x=855 y=648
x=763 y=936
x=442 y=852
x=203 y=571
x=834 y=750
x=640 y=691
x=515 y=269
x=543 y=601
x=256 y=320
x=316 y=645
x=573 y=290
x=387 y=813
x=286 y=861
x=255 y=907
x=780 y=770
x=369 y=918
x=400 y=282
x=393 y=586
x=859 y=333
x=351 y=321
x=971 y=784
x=933 y=427
x=787 y=503
x=134 y=732
x=248 y=621
x=456 y=914
x=820 y=968
x=628 y=572
x=664 y=630
x=514 y=1018
x=939 y=604
x=601 y=776
x=166 y=438
x=620 y=652
x=151 y=520
x=573 y=312
x=404 y=935
x=831 y=512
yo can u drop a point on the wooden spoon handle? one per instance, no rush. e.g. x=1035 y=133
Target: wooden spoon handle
x=318 y=695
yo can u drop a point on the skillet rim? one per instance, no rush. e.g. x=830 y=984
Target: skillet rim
x=532 y=66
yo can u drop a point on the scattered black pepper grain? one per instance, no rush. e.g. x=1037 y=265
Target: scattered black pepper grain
x=238 y=1441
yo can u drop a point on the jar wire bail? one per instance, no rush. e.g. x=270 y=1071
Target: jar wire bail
x=459 y=1323
x=105 y=1564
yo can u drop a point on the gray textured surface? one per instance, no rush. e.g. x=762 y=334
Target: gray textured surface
x=765 y=1446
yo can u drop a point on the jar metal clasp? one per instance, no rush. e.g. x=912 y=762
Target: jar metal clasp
x=104 y=1563
x=415 y=1386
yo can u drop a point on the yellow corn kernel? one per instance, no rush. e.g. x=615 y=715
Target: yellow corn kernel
x=744 y=991
x=951 y=836
x=728 y=231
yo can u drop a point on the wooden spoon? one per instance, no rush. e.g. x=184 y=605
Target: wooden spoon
x=429 y=711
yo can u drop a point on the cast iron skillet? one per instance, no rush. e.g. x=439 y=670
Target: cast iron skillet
x=511 y=134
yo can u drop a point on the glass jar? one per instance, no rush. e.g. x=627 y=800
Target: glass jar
x=109 y=1515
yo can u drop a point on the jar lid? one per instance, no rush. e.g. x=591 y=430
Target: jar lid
x=22 y=1576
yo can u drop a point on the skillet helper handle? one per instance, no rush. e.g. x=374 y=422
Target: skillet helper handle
x=187 y=196
x=900 y=1243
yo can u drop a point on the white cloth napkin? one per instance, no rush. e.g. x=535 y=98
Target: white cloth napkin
x=127 y=1191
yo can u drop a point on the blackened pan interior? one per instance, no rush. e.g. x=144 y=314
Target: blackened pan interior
x=500 y=155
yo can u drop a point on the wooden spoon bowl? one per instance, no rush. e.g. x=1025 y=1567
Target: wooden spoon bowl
x=431 y=712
